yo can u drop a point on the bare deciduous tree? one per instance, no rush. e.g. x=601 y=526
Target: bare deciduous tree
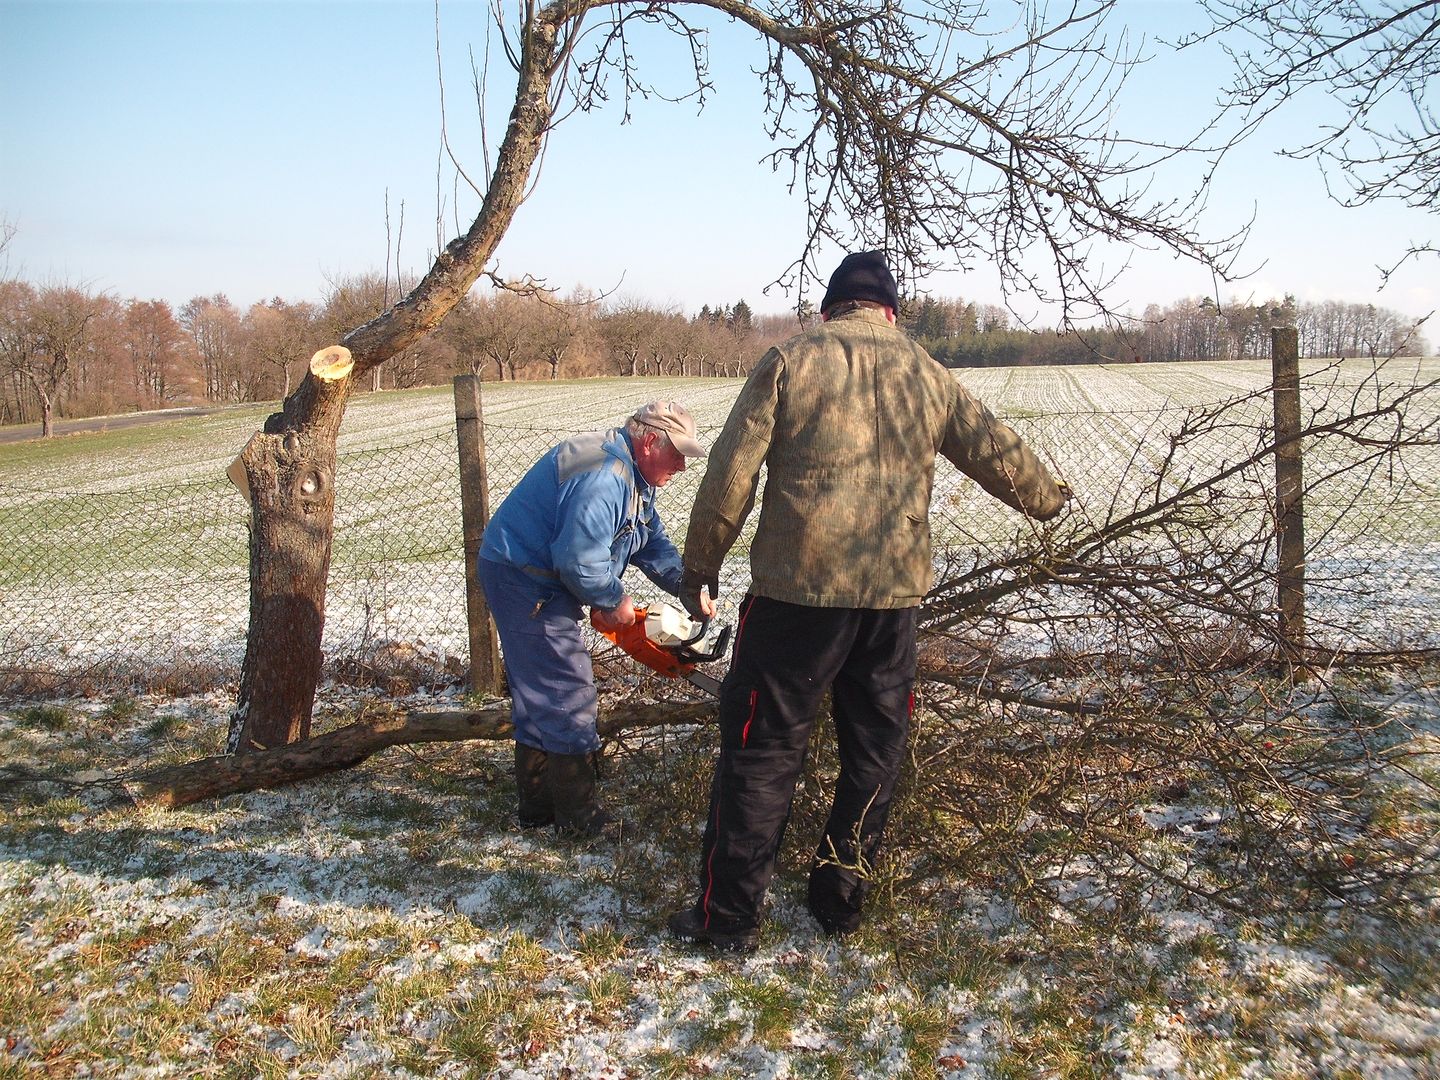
x=937 y=131
x=1380 y=62
x=42 y=333
x=504 y=322
x=214 y=328
x=19 y=346
x=155 y=343
x=626 y=331
x=276 y=333
x=559 y=326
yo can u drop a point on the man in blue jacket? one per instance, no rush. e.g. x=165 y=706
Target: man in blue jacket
x=561 y=541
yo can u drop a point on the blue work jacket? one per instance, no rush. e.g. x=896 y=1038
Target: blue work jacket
x=580 y=517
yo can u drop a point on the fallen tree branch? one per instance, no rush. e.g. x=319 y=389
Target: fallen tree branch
x=343 y=748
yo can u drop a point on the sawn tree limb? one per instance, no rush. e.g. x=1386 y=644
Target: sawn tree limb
x=229 y=774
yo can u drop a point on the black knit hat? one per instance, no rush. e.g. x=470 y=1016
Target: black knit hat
x=863 y=275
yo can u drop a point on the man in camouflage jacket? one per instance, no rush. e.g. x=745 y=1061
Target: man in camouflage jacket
x=848 y=418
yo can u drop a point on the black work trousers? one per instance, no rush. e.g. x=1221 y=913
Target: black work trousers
x=785 y=657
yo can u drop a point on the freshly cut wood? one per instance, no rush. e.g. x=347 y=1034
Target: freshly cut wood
x=236 y=472
x=290 y=472
x=331 y=363
x=230 y=774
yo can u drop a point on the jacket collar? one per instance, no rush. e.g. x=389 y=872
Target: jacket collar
x=627 y=445
x=864 y=314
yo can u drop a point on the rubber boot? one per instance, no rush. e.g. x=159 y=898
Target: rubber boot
x=532 y=785
x=572 y=790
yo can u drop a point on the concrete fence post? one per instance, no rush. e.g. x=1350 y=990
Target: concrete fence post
x=486 y=674
x=1289 y=496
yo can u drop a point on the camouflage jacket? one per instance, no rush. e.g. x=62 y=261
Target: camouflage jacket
x=847 y=418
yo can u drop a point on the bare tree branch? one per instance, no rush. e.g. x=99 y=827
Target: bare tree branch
x=1379 y=63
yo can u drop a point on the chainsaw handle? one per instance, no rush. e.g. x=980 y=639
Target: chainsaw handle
x=692 y=656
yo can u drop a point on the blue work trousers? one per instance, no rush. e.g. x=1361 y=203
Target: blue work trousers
x=552 y=685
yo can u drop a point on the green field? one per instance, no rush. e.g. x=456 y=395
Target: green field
x=132 y=540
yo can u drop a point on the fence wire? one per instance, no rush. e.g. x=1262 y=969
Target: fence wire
x=149 y=587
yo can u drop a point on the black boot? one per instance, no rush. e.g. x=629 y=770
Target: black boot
x=692 y=925
x=572 y=790
x=532 y=785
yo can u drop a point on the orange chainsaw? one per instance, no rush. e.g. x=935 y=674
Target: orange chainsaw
x=663 y=639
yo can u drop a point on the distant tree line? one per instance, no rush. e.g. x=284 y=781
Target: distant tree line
x=67 y=351
x=961 y=334
x=70 y=352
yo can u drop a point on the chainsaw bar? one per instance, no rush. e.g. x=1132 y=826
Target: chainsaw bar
x=701 y=681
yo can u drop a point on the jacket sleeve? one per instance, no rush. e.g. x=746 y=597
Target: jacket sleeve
x=995 y=457
x=727 y=493
x=659 y=560
x=590 y=511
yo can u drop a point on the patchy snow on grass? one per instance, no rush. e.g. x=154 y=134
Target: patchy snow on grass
x=392 y=920
x=126 y=553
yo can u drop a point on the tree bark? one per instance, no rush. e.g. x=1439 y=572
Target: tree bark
x=47 y=407
x=289 y=476
x=230 y=774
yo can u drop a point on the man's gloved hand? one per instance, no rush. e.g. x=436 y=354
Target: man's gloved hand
x=694 y=600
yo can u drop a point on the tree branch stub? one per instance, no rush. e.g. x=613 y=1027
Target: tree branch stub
x=331 y=363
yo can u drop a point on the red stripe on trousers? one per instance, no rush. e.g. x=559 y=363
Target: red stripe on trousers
x=744 y=735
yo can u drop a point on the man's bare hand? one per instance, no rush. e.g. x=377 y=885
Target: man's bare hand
x=623 y=614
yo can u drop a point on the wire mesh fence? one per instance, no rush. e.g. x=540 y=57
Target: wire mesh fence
x=1172 y=539
x=149 y=586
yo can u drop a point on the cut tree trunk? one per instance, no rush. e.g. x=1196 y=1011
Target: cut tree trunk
x=288 y=472
x=212 y=777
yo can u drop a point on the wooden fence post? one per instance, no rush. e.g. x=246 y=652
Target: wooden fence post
x=485 y=670
x=1289 y=496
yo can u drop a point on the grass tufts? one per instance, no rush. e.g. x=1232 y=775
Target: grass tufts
x=395 y=922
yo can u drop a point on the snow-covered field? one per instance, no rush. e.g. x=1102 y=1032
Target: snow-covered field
x=392 y=921
x=201 y=449
x=127 y=550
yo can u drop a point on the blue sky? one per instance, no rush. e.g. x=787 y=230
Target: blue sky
x=189 y=147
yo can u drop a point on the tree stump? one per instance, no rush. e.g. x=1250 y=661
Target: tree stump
x=288 y=473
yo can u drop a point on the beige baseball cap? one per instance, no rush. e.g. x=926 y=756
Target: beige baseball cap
x=675 y=420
